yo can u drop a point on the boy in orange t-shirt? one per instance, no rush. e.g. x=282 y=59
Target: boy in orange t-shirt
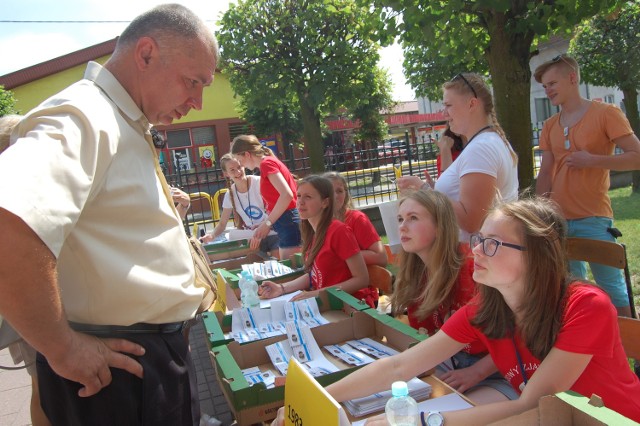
x=577 y=146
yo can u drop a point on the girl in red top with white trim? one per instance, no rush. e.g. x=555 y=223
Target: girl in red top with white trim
x=434 y=280
x=546 y=332
x=278 y=190
x=332 y=255
x=368 y=239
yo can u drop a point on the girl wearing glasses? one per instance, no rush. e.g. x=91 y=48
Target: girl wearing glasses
x=486 y=169
x=431 y=251
x=545 y=332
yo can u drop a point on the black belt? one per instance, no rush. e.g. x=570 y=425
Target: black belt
x=139 y=328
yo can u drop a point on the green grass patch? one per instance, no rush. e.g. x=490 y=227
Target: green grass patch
x=626 y=206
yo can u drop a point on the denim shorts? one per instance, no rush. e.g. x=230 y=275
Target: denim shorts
x=494 y=381
x=288 y=229
x=269 y=243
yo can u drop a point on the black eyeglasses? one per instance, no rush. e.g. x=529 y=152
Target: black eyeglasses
x=490 y=245
x=475 y=95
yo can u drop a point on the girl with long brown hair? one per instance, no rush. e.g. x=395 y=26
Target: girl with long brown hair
x=368 y=239
x=278 y=190
x=332 y=257
x=546 y=332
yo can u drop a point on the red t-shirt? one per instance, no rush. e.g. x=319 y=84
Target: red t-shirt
x=362 y=228
x=454 y=154
x=268 y=166
x=464 y=290
x=589 y=326
x=330 y=266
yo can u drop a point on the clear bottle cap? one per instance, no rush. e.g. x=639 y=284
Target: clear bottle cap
x=399 y=389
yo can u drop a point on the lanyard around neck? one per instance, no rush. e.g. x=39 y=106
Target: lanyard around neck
x=478 y=132
x=520 y=364
x=248 y=199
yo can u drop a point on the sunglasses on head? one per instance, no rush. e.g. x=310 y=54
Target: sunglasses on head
x=475 y=95
x=563 y=59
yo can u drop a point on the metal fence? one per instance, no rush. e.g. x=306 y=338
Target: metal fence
x=370 y=173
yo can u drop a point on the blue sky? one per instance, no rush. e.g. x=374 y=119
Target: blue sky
x=26 y=44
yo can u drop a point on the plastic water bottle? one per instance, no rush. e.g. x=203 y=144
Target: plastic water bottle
x=207 y=420
x=248 y=290
x=242 y=285
x=401 y=409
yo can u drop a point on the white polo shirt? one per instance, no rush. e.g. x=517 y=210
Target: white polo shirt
x=82 y=176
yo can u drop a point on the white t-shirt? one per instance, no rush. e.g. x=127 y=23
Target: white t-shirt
x=249 y=205
x=488 y=154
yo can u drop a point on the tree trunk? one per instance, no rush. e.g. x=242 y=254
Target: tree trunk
x=508 y=57
x=312 y=135
x=631 y=105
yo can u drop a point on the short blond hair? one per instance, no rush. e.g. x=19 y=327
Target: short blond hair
x=564 y=62
x=7 y=124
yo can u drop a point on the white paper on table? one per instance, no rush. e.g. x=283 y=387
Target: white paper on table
x=266 y=303
x=374 y=403
x=318 y=360
x=254 y=330
x=371 y=347
x=389 y=214
x=349 y=355
x=449 y=402
x=258 y=317
x=253 y=375
x=310 y=312
x=318 y=365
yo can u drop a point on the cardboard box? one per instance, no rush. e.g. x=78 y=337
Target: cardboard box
x=227 y=249
x=253 y=404
x=231 y=254
x=334 y=304
x=566 y=409
x=236 y=262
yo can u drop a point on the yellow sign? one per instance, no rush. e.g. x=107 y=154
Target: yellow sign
x=306 y=403
x=398 y=171
x=220 y=305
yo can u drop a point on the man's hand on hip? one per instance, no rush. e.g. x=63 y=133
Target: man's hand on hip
x=89 y=358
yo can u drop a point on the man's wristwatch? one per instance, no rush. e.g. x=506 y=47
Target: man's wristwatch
x=268 y=222
x=434 y=418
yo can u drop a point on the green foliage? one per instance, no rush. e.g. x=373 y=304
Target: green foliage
x=298 y=55
x=625 y=206
x=427 y=70
x=606 y=47
x=281 y=116
x=444 y=37
x=7 y=102
x=367 y=110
